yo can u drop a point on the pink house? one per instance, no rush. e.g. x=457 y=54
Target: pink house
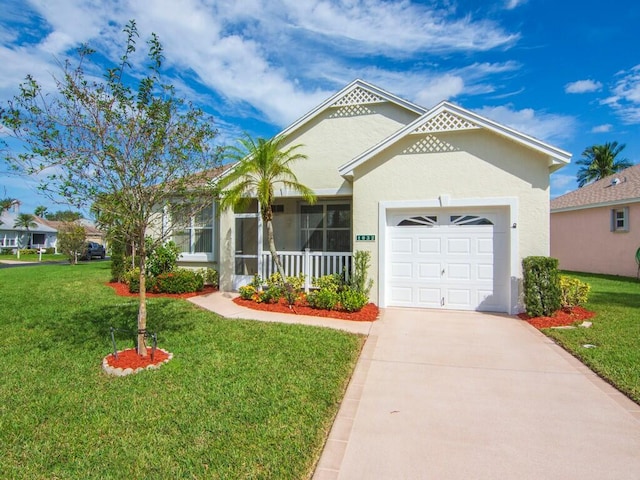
x=596 y=228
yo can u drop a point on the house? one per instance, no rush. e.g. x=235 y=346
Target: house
x=11 y=238
x=447 y=202
x=92 y=233
x=595 y=228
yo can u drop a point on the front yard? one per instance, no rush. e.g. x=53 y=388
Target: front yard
x=613 y=342
x=240 y=399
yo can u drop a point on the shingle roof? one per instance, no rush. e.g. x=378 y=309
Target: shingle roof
x=607 y=191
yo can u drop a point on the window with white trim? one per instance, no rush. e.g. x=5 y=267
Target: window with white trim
x=326 y=227
x=620 y=219
x=194 y=233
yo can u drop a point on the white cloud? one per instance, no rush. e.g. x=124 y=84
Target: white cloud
x=582 y=86
x=544 y=126
x=511 y=4
x=562 y=183
x=438 y=89
x=626 y=96
x=602 y=128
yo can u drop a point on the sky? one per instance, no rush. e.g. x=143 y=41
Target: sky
x=564 y=71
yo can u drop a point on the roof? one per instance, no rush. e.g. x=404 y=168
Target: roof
x=89 y=227
x=449 y=117
x=9 y=219
x=616 y=189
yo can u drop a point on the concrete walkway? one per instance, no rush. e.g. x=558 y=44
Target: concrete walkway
x=464 y=395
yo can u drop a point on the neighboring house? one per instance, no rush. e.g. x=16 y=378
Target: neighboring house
x=42 y=236
x=595 y=228
x=447 y=202
x=92 y=233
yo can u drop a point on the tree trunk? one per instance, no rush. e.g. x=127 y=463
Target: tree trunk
x=272 y=249
x=142 y=308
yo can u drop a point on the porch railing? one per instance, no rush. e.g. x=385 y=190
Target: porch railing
x=308 y=263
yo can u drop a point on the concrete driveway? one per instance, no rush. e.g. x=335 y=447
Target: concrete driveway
x=457 y=395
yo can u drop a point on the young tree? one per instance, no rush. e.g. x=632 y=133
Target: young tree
x=599 y=161
x=71 y=237
x=127 y=140
x=262 y=165
x=26 y=221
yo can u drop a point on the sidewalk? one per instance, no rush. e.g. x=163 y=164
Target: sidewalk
x=222 y=304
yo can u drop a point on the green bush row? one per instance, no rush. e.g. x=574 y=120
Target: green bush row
x=180 y=280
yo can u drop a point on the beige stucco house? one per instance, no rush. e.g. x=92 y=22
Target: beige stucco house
x=447 y=202
x=595 y=228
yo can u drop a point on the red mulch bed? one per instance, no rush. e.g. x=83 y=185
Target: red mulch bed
x=122 y=289
x=560 y=318
x=368 y=313
x=130 y=359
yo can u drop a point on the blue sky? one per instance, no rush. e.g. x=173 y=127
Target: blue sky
x=567 y=72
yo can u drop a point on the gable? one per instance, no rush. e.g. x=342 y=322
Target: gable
x=447 y=117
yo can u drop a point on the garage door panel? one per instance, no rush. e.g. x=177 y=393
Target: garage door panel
x=459 y=271
x=484 y=246
x=402 y=245
x=458 y=298
x=402 y=296
x=402 y=271
x=458 y=246
x=429 y=246
x=484 y=272
x=429 y=297
x=428 y=271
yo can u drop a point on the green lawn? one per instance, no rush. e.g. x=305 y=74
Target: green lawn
x=34 y=257
x=615 y=332
x=240 y=399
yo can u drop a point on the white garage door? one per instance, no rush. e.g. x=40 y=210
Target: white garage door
x=447 y=260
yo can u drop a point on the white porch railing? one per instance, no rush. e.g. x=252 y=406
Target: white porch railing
x=308 y=263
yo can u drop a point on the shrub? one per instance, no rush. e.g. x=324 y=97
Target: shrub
x=352 y=300
x=325 y=299
x=247 y=292
x=361 y=264
x=541 y=285
x=132 y=278
x=272 y=293
x=118 y=261
x=296 y=283
x=178 y=281
x=71 y=237
x=333 y=282
x=49 y=250
x=162 y=259
x=211 y=277
x=28 y=251
x=6 y=251
x=573 y=291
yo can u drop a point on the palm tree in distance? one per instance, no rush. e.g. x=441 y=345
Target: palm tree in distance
x=261 y=165
x=26 y=221
x=599 y=161
x=40 y=211
x=6 y=204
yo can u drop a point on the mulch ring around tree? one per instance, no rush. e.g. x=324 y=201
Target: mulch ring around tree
x=129 y=361
x=560 y=318
x=122 y=289
x=368 y=313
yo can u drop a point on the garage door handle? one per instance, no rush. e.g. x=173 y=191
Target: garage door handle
x=442 y=273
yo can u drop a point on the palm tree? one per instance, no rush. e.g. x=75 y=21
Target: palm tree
x=26 y=221
x=5 y=204
x=40 y=211
x=599 y=161
x=261 y=165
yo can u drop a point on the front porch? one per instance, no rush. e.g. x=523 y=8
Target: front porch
x=311 y=240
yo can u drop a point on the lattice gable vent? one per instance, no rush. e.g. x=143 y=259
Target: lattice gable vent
x=445 y=122
x=358 y=96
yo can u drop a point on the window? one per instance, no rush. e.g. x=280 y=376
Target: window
x=326 y=227
x=620 y=219
x=194 y=233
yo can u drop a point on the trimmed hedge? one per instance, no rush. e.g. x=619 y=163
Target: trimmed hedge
x=541 y=285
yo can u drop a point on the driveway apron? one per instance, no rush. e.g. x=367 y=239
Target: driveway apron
x=465 y=395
